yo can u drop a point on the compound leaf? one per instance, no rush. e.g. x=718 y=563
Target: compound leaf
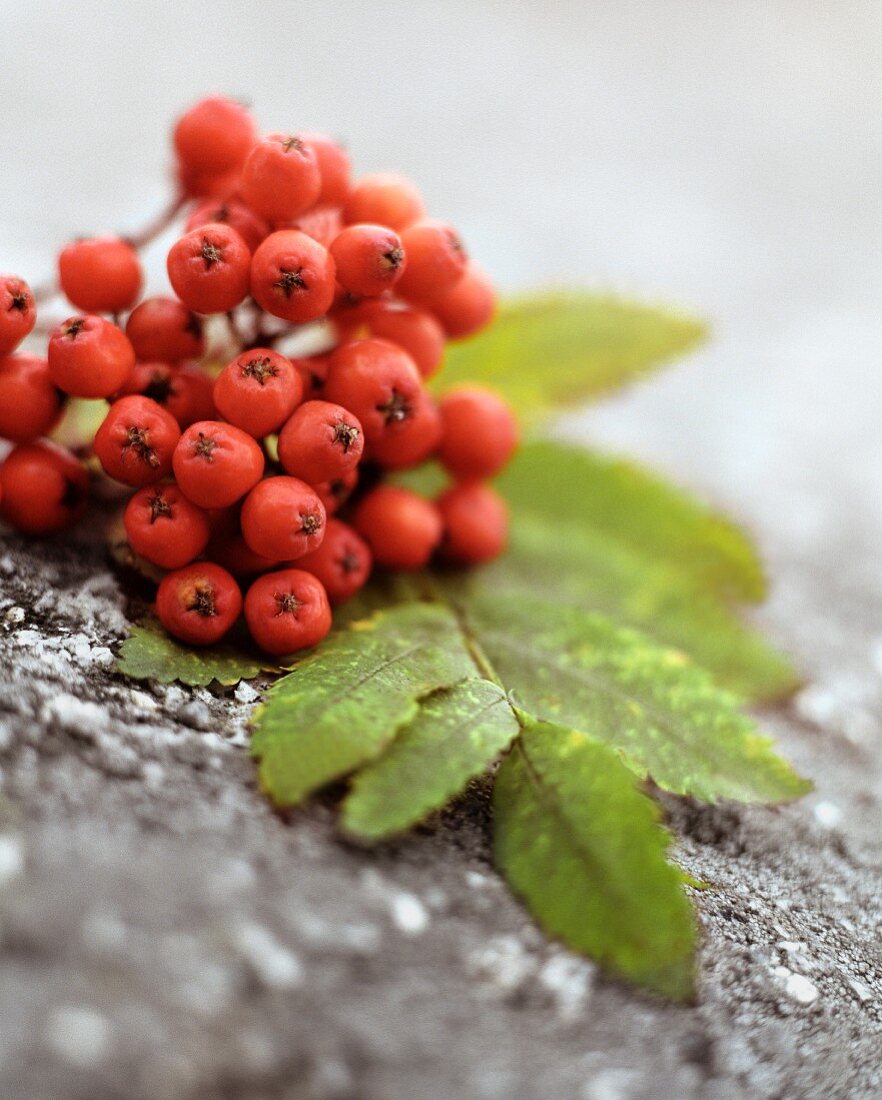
x=583 y=847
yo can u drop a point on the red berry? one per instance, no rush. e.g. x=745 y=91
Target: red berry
x=320 y=442
x=436 y=261
x=342 y=563
x=281 y=178
x=216 y=186
x=18 y=313
x=42 y=488
x=163 y=330
x=234 y=554
x=235 y=214
x=480 y=433
x=467 y=308
x=198 y=603
x=376 y=381
x=313 y=371
x=334 y=168
x=29 y=402
x=164 y=527
x=283 y=518
x=475 y=523
x=214 y=136
x=216 y=464
x=292 y=276
x=384 y=199
x=413 y=441
x=90 y=357
x=402 y=529
x=186 y=392
x=192 y=396
x=136 y=441
x=258 y=391
x=209 y=268
x=334 y=494
x=369 y=259
x=322 y=223
x=415 y=330
x=287 y=611
x=100 y=274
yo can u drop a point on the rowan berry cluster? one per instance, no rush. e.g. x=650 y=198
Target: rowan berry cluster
x=270 y=474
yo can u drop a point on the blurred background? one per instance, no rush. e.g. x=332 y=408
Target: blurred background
x=724 y=157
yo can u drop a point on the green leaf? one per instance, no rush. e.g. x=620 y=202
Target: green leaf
x=662 y=713
x=457 y=733
x=583 y=847
x=341 y=706
x=578 y=566
x=150 y=654
x=632 y=507
x=558 y=349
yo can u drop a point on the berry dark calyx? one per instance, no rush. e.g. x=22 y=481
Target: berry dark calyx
x=345 y=434
x=211 y=253
x=396 y=409
x=159 y=506
x=288 y=603
x=203 y=601
x=259 y=368
x=203 y=447
x=137 y=441
x=289 y=281
x=310 y=523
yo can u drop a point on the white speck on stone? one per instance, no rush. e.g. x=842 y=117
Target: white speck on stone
x=827 y=814
x=74 y=714
x=103 y=656
x=240 y=737
x=105 y=933
x=476 y=880
x=141 y=699
x=271 y=961
x=196 y=715
x=861 y=991
x=409 y=914
x=174 y=697
x=153 y=773
x=78 y=1034
x=245 y=693
x=11 y=857
x=797 y=987
x=612 y=1084
x=27 y=639
x=7 y=565
x=568 y=980
x=14 y=616
x=504 y=962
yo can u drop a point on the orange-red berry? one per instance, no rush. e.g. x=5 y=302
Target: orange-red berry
x=198 y=603
x=401 y=528
x=287 y=611
x=43 y=488
x=100 y=274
